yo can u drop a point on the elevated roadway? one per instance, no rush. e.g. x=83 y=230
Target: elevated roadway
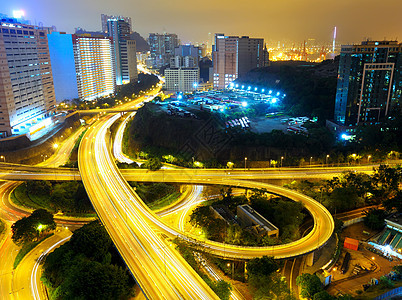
x=137 y=231
x=24 y=172
x=159 y=270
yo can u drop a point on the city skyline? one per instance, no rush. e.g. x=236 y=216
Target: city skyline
x=274 y=21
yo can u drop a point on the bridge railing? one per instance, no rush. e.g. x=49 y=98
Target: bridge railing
x=394 y=292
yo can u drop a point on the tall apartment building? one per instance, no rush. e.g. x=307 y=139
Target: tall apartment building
x=26 y=85
x=188 y=50
x=63 y=66
x=94 y=65
x=104 y=19
x=234 y=56
x=162 y=48
x=369 y=82
x=182 y=79
x=183 y=61
x=124 y=51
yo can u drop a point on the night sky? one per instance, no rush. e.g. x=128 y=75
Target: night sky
x=274 y=20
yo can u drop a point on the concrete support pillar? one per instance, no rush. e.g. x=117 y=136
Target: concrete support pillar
x=310 y=259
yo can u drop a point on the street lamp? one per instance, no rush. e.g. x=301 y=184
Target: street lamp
x=368 y=159
x=282 y=161
x=228 y=265
x=245 y=163
x=310 y=160
x=3 y=157
x=326 y=159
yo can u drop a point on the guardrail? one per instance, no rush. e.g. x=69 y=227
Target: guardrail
x=394 y=292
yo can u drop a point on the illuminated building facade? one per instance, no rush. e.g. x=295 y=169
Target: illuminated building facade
x=369 y=82
x=182 y=79
x=27 y=95
x=189 y=51
x=124 y=51
x=105 y=18
x=162 y=48
x=94 y=66
x=234 y=56
x=63 y=66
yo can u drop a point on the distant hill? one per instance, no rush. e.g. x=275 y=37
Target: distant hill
x=142 y=45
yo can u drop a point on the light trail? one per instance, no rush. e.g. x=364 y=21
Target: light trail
x=34 y=274
x=120 y=209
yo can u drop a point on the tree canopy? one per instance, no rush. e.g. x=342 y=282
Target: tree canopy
x=310 y=285
x=82 y=268
x=30 y=228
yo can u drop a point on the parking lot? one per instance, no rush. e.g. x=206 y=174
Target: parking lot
x=240 y=109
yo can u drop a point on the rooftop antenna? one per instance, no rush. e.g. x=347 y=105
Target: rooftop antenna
x=333 y=41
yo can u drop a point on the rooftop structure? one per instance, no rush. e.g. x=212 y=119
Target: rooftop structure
x=249 y=217
x=392 y=236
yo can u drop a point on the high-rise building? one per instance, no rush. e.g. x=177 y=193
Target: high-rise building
x=63 y=66
x=234 y=56
x=369 y=82
x=105 y=18
x=94 y=64
x=162 y=48
x=26 y=84
x=188 y=50
x=182 y=79
x=124 y=51
x=183 y=61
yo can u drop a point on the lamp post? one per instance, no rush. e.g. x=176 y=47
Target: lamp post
x=282 y=161
x=310 y=160
x=228 y=264
x=326 y=159
x=245 y=163
x=368 y=159
x=3 y=157
x=55 y=146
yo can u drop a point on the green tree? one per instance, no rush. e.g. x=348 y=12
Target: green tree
x=38 y=187
x=57 y=265
x=92 y=240
x=323 y=295
x=29 y=228
x=310 y=285
x=394 y=202
x=43 y=217
x=153 y=164
x=387 y=180
x=201 y=216
x=92 y=280
x=386 y=283
x=343 y=199
x=23 y=231
x=374 y=218
x=62 y=197
x=222 y=289
x=261 y=266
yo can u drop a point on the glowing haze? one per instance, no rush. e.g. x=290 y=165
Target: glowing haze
x=274 y=20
